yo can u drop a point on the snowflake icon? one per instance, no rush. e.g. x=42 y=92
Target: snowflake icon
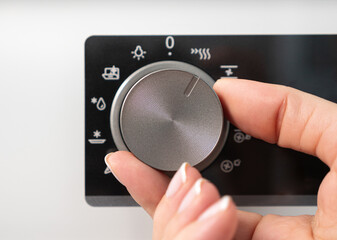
x=97 y=134
x=93 y=100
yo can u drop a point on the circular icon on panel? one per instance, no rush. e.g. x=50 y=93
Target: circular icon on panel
x=226 y=166
x=237 y=162
x=239 y=137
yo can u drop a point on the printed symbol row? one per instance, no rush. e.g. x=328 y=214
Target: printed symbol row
x=226 y=166
x=239 y=137
x=113 y=73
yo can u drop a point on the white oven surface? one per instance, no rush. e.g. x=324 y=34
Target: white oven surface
x=42 y=100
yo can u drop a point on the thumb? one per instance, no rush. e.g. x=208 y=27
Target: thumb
x=145 y=184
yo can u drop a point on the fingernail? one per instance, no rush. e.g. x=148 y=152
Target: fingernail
x=108 y=165
x=178 y=179
x=225 y=78
x=220 y=206
x=195 y=191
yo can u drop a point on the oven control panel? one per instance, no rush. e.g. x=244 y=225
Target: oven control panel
x=152 y=95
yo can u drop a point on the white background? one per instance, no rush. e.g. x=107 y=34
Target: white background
x=42 y=99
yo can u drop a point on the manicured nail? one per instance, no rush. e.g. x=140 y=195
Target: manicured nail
x=225 y=78
x=178 y=179
x=194 y=192
x=220 y=206
x=107 y=163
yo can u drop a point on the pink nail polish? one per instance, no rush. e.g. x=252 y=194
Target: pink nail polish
x=219 y=206
x=178 y=179
x=194 y=192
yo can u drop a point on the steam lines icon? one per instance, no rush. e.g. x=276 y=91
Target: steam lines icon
x=204 y=53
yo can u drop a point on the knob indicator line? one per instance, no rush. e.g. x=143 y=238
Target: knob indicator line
x=191 y=86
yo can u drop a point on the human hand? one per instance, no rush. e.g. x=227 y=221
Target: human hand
x=190 y=208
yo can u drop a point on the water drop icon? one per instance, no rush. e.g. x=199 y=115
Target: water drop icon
x=101 y=104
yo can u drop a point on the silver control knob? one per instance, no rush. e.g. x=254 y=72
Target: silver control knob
x=167 y=113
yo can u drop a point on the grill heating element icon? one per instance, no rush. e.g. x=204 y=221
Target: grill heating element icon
x=204 y=53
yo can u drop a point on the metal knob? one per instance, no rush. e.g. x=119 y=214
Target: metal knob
x=167 y=113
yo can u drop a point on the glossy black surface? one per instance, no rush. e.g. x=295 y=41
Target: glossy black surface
x=304 y=62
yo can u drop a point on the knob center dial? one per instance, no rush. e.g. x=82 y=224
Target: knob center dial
x=169 y=116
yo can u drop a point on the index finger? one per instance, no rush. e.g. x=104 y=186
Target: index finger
x=282 y=115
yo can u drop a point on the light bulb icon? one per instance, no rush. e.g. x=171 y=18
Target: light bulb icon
x=138 y=52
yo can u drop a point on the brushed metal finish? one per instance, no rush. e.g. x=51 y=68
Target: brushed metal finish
x=169 y=116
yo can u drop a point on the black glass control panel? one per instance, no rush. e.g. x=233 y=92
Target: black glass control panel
x=252 y=171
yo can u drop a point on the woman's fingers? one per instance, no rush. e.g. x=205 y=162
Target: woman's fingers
x=292 y=119
x=325 y=221
x=247 y=222
x=219 y=221
x=173 y=206
x=282 y=115
x=273 y=113
x=199 y=197
x=146 y=185
x=179 y=186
